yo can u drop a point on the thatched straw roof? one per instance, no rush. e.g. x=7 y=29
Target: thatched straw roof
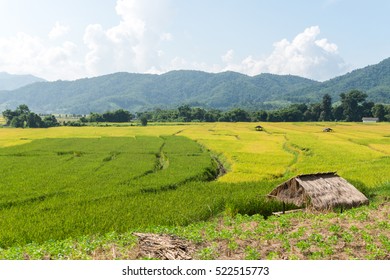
x=320 y=191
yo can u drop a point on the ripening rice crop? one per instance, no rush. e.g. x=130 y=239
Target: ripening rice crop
x=358 y=152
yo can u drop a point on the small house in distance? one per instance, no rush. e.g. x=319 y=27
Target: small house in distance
x=370 y=120
x=319 y=191
x=259 y=128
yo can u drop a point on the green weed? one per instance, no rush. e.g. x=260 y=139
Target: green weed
x=251 y=253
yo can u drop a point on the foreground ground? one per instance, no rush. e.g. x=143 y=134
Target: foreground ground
x=69 y=206
x=362 y=233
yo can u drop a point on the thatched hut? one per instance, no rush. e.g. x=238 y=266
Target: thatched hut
x=259 y=128
x=319 y=191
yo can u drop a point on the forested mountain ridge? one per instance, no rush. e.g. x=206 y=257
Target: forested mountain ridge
x=374 y=80
x=138 y=92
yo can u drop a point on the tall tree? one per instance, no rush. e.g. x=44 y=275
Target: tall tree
x=326 y=108
x=22 y=109
x=9 y=115
x=185 y=112
x=50 y=121
x=352 y=105
x=198 y=114
x=144 y=120
x=378 y=111
x=338 y=113
x=313 y=112
x=33 y=120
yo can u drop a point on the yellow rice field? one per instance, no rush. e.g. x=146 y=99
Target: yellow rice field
x=356 y=151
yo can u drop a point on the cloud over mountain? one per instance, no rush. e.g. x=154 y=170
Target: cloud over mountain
x=58 y=31
x=132 y=45
x=305 y=56
x=25 y=54
x=140 y=40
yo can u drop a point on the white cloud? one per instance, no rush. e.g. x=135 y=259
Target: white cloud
x=138 y=44
x=305 y=56
x=166 y=37
x=28 y=54
x=228 y=56
x=329 y=47
x=132 y=45
x=58 y=31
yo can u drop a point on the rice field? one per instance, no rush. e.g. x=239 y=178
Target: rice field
x=358 y=152
x=53 y=188
x=67 y=182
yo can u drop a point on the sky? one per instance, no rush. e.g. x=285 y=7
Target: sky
x=72 y=39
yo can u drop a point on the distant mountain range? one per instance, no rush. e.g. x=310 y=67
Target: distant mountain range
x=138 y=92
x=11 y=82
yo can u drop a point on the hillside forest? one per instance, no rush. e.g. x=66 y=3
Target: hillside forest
x=352 y=108
x=220 y=91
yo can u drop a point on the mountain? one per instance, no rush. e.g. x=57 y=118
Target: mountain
x=137 y=92
x=373 y=80
x=11 y=82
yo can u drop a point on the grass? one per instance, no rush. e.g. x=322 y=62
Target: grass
x=69 y=187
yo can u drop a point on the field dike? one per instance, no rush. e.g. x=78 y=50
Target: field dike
x=220 y=163
x=296 y=151
x=162 y=164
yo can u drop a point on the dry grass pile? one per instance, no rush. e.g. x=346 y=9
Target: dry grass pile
x=164 y=247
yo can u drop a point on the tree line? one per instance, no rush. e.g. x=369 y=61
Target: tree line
x=118 y=116
x=23 y=117
x=351 y=108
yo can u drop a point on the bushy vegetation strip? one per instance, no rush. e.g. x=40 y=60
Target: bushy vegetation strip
x=362 y=233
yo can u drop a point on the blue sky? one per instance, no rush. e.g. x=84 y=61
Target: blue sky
x=73 y=39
